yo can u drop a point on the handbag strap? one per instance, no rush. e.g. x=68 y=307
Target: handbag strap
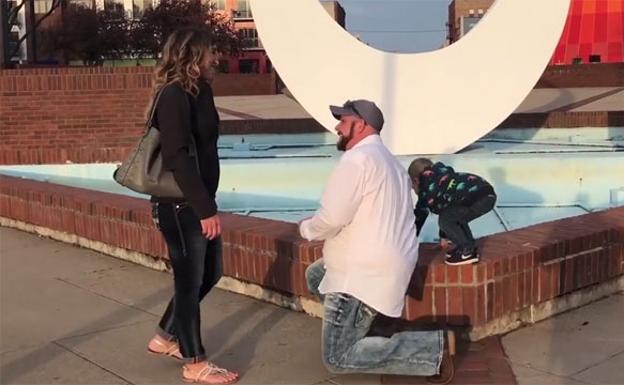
x=195 y=153
x=153 y=109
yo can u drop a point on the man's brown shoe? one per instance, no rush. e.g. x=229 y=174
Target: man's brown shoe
x=447 y=368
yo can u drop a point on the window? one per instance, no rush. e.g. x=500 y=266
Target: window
x=219 y=4
x=594 y=58
x=249 y=37
x=243 y=11
x=139 y=7
x=249 y=66
x=42 y=6
x=114 y=6
x=577 y=60
x=224 y=66
x=13 y=39
x=83 y=3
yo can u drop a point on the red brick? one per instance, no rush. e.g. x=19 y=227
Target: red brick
x=482 y=303
x=439 y=273
x=236 y=262
x=568 y=267
x=472 y=366
x=452 y=274
x=302 y=285
x=440 y=310
x=507 y=294
x=455 y=309
x=481 y=273
x=490 y=271
x=544 y=283
x=498 y=269
x=468 y=273
x=555 y=279
x=515 y=292
x=498 y=299
x=526 y=294
x=420 y=309
x=469 y=305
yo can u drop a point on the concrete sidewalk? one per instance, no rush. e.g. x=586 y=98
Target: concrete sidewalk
x=73 y=316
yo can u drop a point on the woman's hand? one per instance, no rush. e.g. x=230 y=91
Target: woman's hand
x=211 y=227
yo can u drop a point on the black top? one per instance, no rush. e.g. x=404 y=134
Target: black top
x=178 y=116
x=441 y=187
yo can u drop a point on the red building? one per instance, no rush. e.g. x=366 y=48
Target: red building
x=253 y=58
x=594 y=31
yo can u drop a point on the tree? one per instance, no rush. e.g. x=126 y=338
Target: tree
x=89 y=35
x=93 y=36
x=114 y=33
x=149 y=33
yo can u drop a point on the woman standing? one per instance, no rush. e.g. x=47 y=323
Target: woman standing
x=188 y=122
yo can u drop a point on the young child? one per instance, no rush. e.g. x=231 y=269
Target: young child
x=457 y=198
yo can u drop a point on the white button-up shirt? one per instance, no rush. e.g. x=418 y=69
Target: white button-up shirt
x=367 y=221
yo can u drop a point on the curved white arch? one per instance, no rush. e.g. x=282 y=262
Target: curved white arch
x=433 y=102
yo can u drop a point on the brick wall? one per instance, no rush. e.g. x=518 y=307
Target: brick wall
x=85 y=114
x=518 y=268
x=565 y=119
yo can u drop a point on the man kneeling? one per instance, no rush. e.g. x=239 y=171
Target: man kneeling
x=370 y=252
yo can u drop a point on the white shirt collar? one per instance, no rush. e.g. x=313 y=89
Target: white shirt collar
x=369 y=139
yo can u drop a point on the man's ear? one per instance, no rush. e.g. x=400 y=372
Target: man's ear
x=360 y=126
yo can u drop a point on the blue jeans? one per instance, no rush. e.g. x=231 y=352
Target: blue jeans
x=347 y=349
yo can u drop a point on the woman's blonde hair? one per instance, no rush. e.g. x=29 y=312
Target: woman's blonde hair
x=181 y=59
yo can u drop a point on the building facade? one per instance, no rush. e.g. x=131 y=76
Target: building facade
x=594 y=33
x=463 y=15
x=594 y=30
x=252 y=59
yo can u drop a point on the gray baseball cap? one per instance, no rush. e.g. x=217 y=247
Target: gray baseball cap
x=364 y=109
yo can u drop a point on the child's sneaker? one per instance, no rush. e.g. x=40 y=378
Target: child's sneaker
x=459 y=257
x=452 y=249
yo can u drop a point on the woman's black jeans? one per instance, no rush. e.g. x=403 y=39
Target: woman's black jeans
x=197 y=267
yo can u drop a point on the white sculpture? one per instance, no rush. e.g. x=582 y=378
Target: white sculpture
x=434 y=102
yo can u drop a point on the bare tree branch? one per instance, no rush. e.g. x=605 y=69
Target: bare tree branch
x=12 y=16
x=53 y=7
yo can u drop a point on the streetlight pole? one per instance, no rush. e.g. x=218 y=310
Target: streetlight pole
x=31 y=40
x=5 y=60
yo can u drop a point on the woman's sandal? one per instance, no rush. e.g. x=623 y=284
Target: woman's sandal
x=172 y=351
x=219 y=375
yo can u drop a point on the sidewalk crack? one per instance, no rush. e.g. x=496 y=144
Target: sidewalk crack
x=93 y=363
x=106 y=297
x=598 y=363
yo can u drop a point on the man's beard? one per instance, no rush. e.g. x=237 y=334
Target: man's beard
x=343 y=140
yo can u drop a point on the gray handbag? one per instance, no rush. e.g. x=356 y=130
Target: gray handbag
x=143 y=170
